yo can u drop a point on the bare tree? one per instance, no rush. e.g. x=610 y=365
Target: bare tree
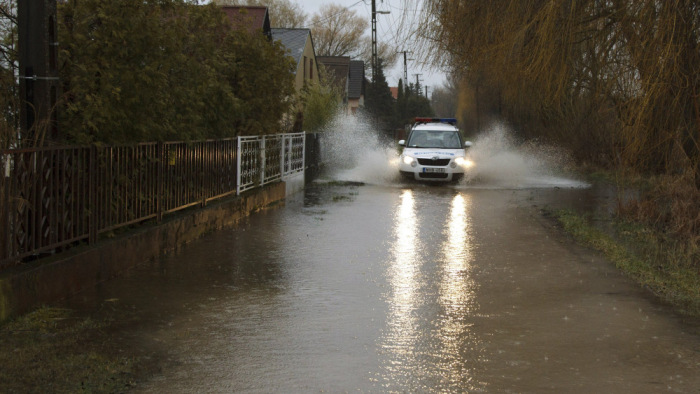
x=386 y=51
x=338 y=31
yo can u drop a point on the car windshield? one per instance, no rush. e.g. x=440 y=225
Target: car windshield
x=448 y=139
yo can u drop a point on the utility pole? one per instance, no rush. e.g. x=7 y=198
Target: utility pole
x=405 y=66
x=38 y=69
x=417 y=83
x=374 y=39
x=426 y=91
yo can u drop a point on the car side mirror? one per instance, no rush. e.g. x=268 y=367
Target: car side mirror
x=467 y=144
x=402 y=142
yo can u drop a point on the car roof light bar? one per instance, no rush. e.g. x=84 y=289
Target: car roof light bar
x=451 y=121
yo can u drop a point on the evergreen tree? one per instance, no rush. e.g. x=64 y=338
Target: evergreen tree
x=411 y=105
x=379 y=102
x=400 y=107
x=168 y=70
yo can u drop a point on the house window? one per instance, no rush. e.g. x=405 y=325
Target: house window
x=304 y=67
x=311 y=69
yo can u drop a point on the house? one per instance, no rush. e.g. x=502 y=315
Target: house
x=337 y=68
x=356 y=86
x=301 y=47
x=394 y=92
x=253 y=19
x=349 y=76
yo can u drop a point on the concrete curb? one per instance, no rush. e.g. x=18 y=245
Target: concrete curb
x=51 y=279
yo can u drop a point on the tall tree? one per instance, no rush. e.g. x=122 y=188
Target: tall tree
x=610 y=79
x=400 y=106
x=444 y=99
x=415 y=104
x=139 y=71
x=379 y=102
x=338 y=31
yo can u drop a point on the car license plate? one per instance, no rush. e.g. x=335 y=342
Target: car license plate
x=440 y=170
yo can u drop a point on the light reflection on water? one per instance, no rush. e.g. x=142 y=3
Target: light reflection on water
x=403 y=277
x=429 y=344
x=457 y=298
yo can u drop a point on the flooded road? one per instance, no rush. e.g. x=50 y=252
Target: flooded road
x=399 y=288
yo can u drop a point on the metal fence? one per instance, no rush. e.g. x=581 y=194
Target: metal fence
x=56 y=196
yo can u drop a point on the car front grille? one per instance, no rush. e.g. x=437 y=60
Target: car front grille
x=431 y=162
x=433 y=175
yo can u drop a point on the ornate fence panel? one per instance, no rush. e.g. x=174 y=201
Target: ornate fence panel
x=45 y=200
x=294 y=153
x=54 y=197
x=249 y=163
x=273 y=158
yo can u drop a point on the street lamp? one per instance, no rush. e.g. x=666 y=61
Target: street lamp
x=374 y=39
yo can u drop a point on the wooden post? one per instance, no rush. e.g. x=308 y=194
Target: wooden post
x=38 y=70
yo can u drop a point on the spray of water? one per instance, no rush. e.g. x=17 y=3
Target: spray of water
x=355 y=151
x=501 y=163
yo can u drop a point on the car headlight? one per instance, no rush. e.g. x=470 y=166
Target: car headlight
x=410 y=161
x=464 y=162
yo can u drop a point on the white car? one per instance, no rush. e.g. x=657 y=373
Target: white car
x=434 y=151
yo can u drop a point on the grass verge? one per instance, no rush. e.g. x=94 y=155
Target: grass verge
x=653 y=260
x=50 y=350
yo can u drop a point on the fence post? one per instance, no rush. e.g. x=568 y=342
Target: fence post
x=303 y=151
x=238 y=166
x=160 y=159
x=262 y=161
x=92 y=222
x=282 y=154
x=203 y=155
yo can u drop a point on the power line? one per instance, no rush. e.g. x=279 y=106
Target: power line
x=334 y=15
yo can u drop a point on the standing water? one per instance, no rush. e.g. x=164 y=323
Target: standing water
x=393 y=287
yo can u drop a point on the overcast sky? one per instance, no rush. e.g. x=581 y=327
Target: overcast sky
x=387 y=26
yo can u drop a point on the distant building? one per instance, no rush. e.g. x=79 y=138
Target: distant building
x=394 y=92
x=356 y=86
x=338 y=69
x=349 y=76
x=253 y=19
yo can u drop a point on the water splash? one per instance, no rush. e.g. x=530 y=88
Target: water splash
x=353 y=150
x=501 y=163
